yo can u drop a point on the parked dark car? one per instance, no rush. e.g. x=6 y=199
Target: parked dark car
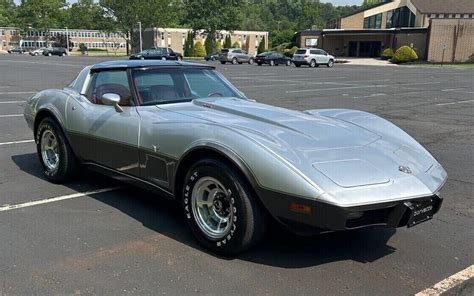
x=272 y=58
x=16 y=50
x=211 y=57
x=58 y=51
x=160 y=53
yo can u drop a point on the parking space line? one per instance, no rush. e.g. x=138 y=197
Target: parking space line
x=361 y=86
x=454 y=103
x=449 y=282
x=54 y=199
x=458 y=90
x=11 y=115
x=16 y=142
x=17 y=92
x=12 y=102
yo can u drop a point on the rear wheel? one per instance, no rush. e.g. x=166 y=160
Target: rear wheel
x=234 y=61
x=288 y=63
x=272 y=63
x=49 y=54
x=56 y=156
x=312 y=63
x=221 y=209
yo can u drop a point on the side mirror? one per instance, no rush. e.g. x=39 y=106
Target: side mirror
x=112 y=100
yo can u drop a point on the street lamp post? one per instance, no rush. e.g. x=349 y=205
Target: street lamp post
x=67 y=41
x=140 y=32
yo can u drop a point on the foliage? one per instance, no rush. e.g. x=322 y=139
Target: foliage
x=40 y=14
x=236 y=44
x=208 y=45
x=82 y=48
x=189 y=45
x=61 y=40
x=199 y=50
x=261 y=46
x=213 y=15
x=85 y=14
x=370 y=3
x=7 y=13
x=218 y=46
x=404 y=54
x=471 y=59
x=227 y=42
x=291 y=51
x=387 y=54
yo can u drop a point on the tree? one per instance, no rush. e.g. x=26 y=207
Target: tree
x=189 y=45
x=236 y=44
x=7 y=13
x=261 y=46
x=213 y=15
x=227 y=42
x=208 y=44
x=61 y=40
x=370 y=3
x=41 y=14
x=218 y=46
x=151 y=13
x=85 y=14
x=199 y=50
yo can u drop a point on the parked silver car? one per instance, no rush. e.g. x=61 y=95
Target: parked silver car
x=38 y=51
x=235 y=56
x=312 y=57
x=183 y=131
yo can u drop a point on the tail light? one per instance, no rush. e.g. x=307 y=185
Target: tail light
x=306 y=56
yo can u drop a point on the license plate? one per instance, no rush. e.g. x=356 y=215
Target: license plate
x=298 y=58
x=420 y=211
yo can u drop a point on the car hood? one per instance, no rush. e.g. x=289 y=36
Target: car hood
x=334 y=153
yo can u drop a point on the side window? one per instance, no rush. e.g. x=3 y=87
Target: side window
x=115 y=82
x=313 y=51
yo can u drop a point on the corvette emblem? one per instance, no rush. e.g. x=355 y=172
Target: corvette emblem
x=405 y=169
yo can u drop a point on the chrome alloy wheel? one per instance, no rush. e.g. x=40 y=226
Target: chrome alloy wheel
x=212 y=207
x=49 y=150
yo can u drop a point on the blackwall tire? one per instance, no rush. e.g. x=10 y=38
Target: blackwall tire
x=221 y=209
x=51 y=144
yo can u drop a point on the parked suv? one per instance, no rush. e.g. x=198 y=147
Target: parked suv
x=59 y=51
x=312 y=57
x=235 y=56
x=16 y=50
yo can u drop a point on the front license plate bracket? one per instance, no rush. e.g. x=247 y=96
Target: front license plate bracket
x=420 y=211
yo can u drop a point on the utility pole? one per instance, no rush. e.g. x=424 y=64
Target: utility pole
x=67 y=41
x=140 y=32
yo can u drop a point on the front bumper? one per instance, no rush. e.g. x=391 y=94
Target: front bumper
x=305 y=216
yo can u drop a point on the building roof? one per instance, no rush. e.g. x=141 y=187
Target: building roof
x=125 y=64
x=444 y=6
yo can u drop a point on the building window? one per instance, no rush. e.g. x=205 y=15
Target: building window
x=400 y=17
x=373 y=22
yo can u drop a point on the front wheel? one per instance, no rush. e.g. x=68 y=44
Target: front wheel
x=288 y=63
x=221 y=209
x=272 y=63
x=234 y=61
x=330 y=64
x=251 y=61
x=56 y=156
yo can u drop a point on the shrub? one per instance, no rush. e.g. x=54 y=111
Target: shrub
x=189 y=45
x=236 y=44
x=290 y=52
x=218 y=46
x=82 y=48
x=404 y=54
x=261 y=46
x=471 y=59
x=387 y=54
x=227 y=42
x=208 y=44
x=199 y=50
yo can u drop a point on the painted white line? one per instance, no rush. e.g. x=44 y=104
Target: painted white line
x=449 y=282
x=12 y=115
x=17 y=92
x=49 y=64
x=16 y=142
x=12 y=102
x=454 y=103
x=361 y=86
x=458 y=90
x=54 y=199
x=370 y=96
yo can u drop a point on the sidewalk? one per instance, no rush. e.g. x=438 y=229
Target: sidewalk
x=367 y=62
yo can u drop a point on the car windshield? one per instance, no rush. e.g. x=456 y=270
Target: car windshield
x=171 y=85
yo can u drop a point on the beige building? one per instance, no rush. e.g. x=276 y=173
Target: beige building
x=176 y=37
x=31 y=39
x=428 y=26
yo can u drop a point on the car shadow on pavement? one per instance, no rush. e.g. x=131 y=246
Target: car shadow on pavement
x=280 y=248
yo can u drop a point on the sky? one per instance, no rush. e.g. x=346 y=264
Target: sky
x=334 y=2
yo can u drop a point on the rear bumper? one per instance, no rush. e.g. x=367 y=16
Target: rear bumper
x=300 y=62
x=303 y=215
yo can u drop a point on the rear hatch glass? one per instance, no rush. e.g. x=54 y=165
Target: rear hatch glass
x=301 y=51
x=224 y=51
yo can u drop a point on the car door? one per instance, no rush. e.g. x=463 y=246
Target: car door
x=323 y=56
x=99 y=133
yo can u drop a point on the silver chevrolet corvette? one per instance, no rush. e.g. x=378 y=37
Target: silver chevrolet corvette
x=183 y=131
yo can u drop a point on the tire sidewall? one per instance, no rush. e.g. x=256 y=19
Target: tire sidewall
x=45 y=125
x=235 y=235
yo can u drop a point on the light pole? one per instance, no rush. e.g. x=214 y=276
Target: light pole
x=278 y=23
x=67 y=41
x=140 y=32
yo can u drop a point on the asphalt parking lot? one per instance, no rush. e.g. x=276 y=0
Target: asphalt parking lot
x=127 y=241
